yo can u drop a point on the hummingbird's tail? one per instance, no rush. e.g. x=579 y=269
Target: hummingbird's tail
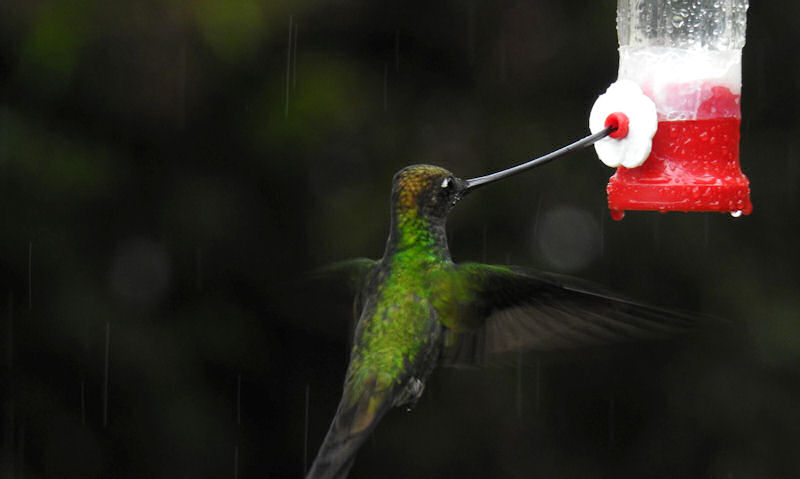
x=355 y=419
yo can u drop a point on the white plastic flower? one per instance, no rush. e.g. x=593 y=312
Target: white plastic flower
x=625 y=96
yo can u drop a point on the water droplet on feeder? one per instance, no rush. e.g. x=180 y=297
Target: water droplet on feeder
x=736 y=213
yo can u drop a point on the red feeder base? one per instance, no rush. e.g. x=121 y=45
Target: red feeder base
x=693 y=166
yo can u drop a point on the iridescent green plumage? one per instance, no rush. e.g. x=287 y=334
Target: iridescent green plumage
x=417 y=308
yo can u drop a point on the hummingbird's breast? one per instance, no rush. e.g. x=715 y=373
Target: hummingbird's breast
x=399 y=333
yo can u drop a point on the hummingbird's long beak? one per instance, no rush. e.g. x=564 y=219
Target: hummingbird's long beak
x=475 y=183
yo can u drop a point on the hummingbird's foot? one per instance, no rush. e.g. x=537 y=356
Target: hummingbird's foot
x=411 y=393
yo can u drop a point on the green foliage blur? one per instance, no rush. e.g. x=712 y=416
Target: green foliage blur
x=171 y=170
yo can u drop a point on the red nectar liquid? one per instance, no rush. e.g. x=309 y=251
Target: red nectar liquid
x=693 y=166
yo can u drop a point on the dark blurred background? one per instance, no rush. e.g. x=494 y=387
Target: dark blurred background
x=170 y=170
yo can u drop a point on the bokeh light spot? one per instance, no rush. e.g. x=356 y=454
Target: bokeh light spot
x=567 y=238
x=140 y=272
x=232 y=29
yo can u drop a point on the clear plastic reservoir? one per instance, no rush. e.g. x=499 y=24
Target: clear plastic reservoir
x=679 y=51
x=711 y=25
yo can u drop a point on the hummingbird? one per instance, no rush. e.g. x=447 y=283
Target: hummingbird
x=417 y=309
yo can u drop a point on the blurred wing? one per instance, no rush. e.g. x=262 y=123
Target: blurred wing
x=352 y=271
x=511 y=309
x=353 y=274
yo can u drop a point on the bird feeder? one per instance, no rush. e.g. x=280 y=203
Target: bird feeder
x=677 y=95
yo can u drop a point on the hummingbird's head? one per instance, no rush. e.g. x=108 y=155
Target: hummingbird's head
x=427 y=190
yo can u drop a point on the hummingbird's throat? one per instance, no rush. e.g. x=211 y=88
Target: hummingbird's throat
x=411 y=229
